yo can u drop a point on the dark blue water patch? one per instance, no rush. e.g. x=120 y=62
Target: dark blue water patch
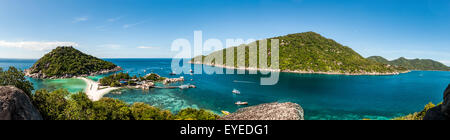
x=18 y=63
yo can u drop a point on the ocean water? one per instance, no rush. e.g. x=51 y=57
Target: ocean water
x=323 y=97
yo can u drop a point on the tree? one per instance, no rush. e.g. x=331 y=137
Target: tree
x=141 y=111
x=57 y=106
x=195 y=114
x=51 y=105
x=15 y=77
x=111 y=109
x=68 y=60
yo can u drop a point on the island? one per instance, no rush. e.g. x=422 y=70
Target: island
x=310 y=52
x=142 y=82
x=412 y=64
x=68 y=62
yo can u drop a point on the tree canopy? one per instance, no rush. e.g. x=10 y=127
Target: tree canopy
x=15 y=77
x=60 y=105
x=310 y=51
x=412 y=64
x=69 y=61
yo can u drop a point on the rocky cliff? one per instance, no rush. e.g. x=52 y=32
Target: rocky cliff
x=16 y=105
x=270 y=111
x=442 y=111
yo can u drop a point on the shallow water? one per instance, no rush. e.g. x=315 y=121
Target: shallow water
x=321 y=96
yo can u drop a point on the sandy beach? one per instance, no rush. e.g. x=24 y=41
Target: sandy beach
x=93 y=91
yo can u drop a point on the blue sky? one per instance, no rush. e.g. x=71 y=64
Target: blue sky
x=146 y=28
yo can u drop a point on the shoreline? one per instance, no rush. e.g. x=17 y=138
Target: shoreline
x=304 y=72
x=92 y=89
x=28 y=73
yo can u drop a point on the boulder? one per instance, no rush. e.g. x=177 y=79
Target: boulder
x=269 y=111
x=16 y=105
x=440 y=112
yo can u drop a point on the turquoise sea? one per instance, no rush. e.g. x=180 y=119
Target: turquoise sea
x=321 y=96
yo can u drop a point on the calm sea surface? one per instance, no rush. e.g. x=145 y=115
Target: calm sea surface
x=321 y=96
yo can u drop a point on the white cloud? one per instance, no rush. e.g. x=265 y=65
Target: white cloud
x=114 y=19
x=126 y=26
x=36 y=45
x=80 y=19
x=147 y=47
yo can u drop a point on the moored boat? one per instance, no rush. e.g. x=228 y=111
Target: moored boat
x=235 y=91
x=241 y=103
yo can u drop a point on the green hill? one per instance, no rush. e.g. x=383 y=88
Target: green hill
x=310 y=52
x=412 y=64
x=67 y=62
x=379 y=59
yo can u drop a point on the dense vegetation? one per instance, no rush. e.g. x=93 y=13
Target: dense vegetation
x=114 y=80
x=61 y=105
x=418 y=115
x=69 y=61
x=412 y=64
x=58 y=105
x=153 y=77
x=311 y=52
x=14 y=77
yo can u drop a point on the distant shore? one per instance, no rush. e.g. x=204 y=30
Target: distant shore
x=302 y=72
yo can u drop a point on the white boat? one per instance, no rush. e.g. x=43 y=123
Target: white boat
x=184 y=86
x=235 y=91
x=241 y=103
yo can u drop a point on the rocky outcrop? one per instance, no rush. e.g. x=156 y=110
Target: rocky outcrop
x=270 y=111
x=442 y=111
x=16 y=105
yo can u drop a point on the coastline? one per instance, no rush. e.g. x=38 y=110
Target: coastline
x=304 y=72
x=43 y=76
x=93 y=91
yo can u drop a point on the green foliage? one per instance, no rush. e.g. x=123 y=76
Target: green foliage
x=154 y=77
x=113 y=80
x=141 y=111
x=412 y=64
x=51 y=105
x=58 y=106
x=308 y=52
x=111 y=109
x=195 y=114
x=69 y=61
x=418 y=115
x=379 y=59
x=15 y=77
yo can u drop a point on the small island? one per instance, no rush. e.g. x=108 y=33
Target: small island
x=68 y=62
x=310 y=52
x=145 y=82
